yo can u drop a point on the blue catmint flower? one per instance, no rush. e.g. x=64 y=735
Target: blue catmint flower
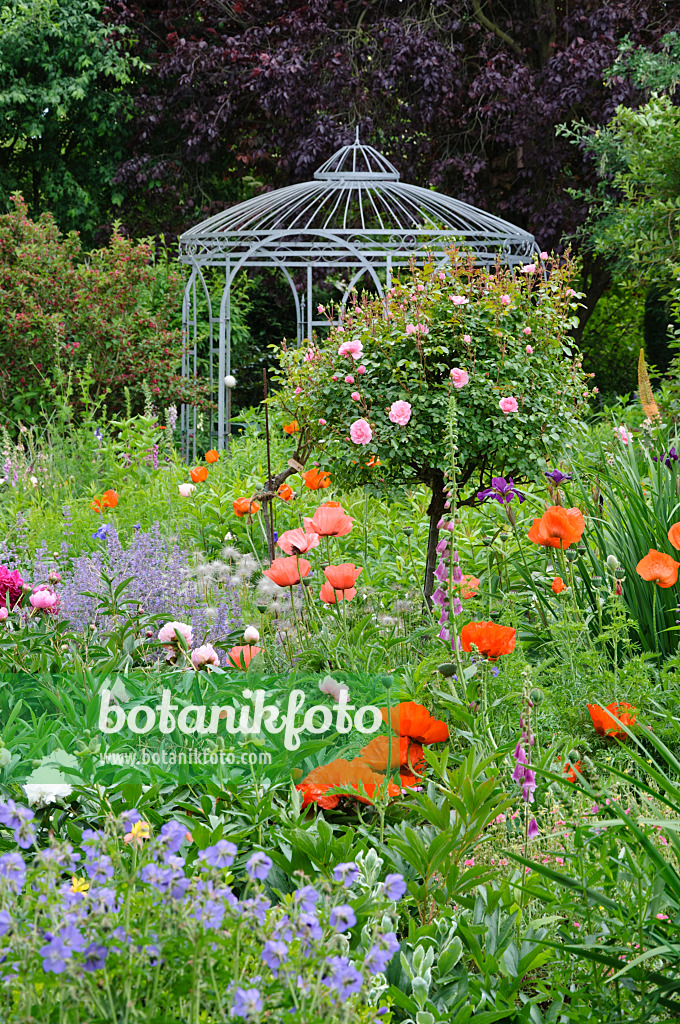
x=347 y=873
x=247 y=1003
x=394 y=887
x=221 y=855
x=342 y=918
x=307 y=897
x=259 y=865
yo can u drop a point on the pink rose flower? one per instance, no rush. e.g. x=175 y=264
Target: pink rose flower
x=349 y=379
x=529 y=268
x=400 y=412
x=442 y=277
x=322 y=423
x=459 y=300
x=319 y=309
x=410 y=328
x=530 y=350
x=508 y=405
x=355 y=396
x=459 y=377
x=420 y=288
x=335 y=377
x=571 y=292
x=360 y=432
x=527 y=331
x=506 y=300
x=544 y=256
x=361 y=369
x=467 y=338
x=351 y=349
x=10 y=587
x=204 y=656
x=298 y=391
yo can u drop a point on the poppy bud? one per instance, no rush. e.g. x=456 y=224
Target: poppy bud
x=574 y=755
x=612 y=562
x=619 y=589
x=447 y=669
x=388 y=682
x=536 y=695
x=620 y=574
x=306 y=581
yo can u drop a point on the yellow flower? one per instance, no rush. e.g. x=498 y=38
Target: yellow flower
x=79 y=884
x=139 y=831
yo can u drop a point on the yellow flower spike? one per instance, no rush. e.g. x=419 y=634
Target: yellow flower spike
x=79 y=884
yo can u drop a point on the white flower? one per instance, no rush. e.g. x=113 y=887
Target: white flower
x=251 y=635
x=334 y=689
x=40 y=794
x=230 y=381
x=5 y=756
x=186 y=489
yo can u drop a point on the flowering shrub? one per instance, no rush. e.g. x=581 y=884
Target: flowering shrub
x=151 y=921
x=103 y=317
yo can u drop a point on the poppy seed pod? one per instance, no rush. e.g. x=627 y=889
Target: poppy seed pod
x=447 y=669
x=487 y=541
x=620 y=574
x=408 y=532
x=572 y=555
x=504 y=536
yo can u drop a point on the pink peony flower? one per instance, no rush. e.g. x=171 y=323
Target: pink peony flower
x=204 y=656
x=400 y=412
x=332 y=688
x=352 y=349
x=44 y=598
x=508 y=405
x=527 y=331
x=506 y=300
x=322 y=423
x=530 y=350
x=459 y=377
x=623 y=434
x=4 y=614
x=10 y=587
x=360 y=432
x=186 y=489
x=251 y=635
x=349 y=379
x=459 y=300
x=355 y=396
x=361 y=369
x=169 y=640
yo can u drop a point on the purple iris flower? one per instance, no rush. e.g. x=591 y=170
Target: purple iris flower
x=501 y=490
x=558 y=477
x=668 y=457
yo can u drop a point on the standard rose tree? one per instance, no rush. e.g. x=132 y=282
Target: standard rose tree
x=374 y=395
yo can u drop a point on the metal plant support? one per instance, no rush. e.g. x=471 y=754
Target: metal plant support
x=355 y=217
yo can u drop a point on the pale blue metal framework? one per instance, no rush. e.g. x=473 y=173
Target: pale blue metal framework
x=355 y=216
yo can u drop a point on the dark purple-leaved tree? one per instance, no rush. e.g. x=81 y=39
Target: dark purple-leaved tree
x=463 y=96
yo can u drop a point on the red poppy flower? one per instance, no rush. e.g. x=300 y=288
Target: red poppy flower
x=558 y=585
x=469 y=587
x=285 y=492
x=316 y=479
x=656 y=567
x=342 y=577
x=608 y=722
x=569 y=771
x=292 y=427
x=211 y=456
x=284 y=571
x=109 y=499
x=245 y=507
x=490 y=639
x=241 y=657
x=326 y=784
x=558 y=527
x=330 y=596
x=199 y=474
x=297 y=542
x=674 y=535
x=405 y=754
x=329 y=521
x=416 y=722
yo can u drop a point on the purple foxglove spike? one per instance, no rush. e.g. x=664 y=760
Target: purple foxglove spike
x=443 y=633
x=441 y=572
x=442 y=546
x=444 y=617
x=439 y=596
x=518 y=774
x=456 y=574
x=533 y=829
x=456 y=606
x=519 y=749
x=454 y=556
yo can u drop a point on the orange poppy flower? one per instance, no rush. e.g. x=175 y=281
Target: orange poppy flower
x=558 y=527
x=329 y=521
x=330 y=504
x=285 y=492
x=569 y=771
x=109 y=499
x=297 y=542
x=490 y=639
x=656 y=567
x=346 y=778
x=199 y=474
x=558 y=585
x=342 y=577
x=674 y=535
x=405 y=754
x=316 y=479
x=416 y=722
x=211 y=456
x=330 y=596
x=607 y=722
x=241 y=657
x=469 y=587
x=284 y=571
x=245 y=507
x=292 y=427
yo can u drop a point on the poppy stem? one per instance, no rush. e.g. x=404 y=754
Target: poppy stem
x=654 y=633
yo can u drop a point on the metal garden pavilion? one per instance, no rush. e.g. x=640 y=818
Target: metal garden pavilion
x=355 y=217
